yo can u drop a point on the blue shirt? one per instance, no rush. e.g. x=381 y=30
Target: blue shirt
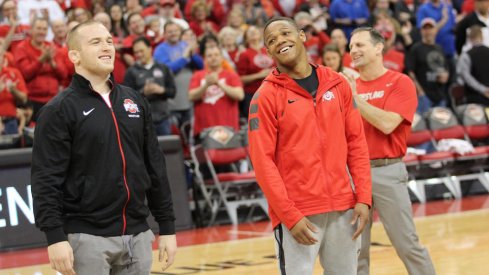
x=445 y=37
x=172 y=56
x=352 y=9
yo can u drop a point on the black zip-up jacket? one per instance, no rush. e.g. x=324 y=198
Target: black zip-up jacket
x=94 y=166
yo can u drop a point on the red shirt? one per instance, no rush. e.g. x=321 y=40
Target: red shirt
x=347 y=62
x=198 y=30
x=20 y=34
x=70 y=67
x=7 y=100
x=393 y=92
x=251 y=62
x=215 y=107
x=217 y=13
x=394 y=60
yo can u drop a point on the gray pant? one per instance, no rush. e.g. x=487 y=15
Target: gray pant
x=391 y=199
x=128 y=254
x=338 y=253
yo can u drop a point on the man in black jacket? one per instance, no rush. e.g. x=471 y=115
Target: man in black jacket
x=95 y=161
x=480 y=17
x=154 y=81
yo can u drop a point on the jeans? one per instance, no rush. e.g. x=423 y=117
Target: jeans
x=163 y=128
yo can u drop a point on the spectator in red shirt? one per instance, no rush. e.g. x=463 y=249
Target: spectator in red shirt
x=41 y=65
x=228 y=40
x=338 y=37
x=118 y=24
x=200 y=22
x=9 y=12
x=216 y=10
x=136 y=29
x=60 y=29
x=393 y=59
x=13 y=92
x=253 y=66
x=215 y=93
x=316 y=39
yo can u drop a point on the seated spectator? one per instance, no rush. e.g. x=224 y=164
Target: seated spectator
x=319 y=13
x=215 y=93
x=237 y=22
x=253 y=14
x=332 y=58
x=254 y=64
x=349 y=14
x=81 y=15
x=167 y=10
x=472 y=69
x=480 y=17
x=133 y=6
x=13 y=92
x=8 y=10
x=41 y=65
x=30 y=9
x=286 y=8
x=315 y=39
x=154 y=81
x=427 y=66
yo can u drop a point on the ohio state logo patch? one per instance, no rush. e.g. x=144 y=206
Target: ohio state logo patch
x=131 y=108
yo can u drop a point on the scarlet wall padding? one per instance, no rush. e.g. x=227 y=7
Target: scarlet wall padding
x=226 y=156
x=452 y=132
x=478 y=131
x=419 y=137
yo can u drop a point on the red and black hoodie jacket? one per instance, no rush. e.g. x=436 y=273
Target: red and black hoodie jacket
x=93 y=166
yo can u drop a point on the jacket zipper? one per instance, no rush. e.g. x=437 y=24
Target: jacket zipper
x=123 y=172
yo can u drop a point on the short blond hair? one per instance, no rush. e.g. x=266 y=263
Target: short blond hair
x=72 y=37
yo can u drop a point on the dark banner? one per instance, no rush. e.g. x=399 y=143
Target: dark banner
x=17 y=229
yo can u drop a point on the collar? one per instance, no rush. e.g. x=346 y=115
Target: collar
x=82 y=84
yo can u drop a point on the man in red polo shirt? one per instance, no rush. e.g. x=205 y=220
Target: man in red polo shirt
x=387 y=102
x=215 y=93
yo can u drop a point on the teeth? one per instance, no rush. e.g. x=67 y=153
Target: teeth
x=284 y=49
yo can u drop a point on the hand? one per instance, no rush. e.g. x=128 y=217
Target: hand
x=407 y=28
x=211 y=79
x=167 y=245
x=263 y=73
x=61 y=258
x=353 y=83
x=153 y=88
x=302 y=232
x=443 y=77
x=361 y=212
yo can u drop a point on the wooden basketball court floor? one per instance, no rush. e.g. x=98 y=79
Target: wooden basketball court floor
x=456 y=232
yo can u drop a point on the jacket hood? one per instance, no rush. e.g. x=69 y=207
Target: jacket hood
x=329 y=77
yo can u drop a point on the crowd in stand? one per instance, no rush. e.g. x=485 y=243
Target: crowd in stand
x=205 y=59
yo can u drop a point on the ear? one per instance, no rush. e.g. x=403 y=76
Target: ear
x=380 y=49
x=302 y=35
x=74 y=56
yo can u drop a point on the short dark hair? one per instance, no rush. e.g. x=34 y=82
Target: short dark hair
x=143 y=40
x=204 y=40
x=168 y=23
x=280 y=18
x=475 y=32
x=375 y=35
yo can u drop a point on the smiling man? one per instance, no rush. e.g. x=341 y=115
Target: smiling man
x=95 y=161
x=387 y=101
x=304 y=132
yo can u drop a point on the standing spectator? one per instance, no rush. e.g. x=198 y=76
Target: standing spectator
x=137 y=28
x=387 y=116
x=98 y=136
x=286 y=8
x=480 y=17
x=237 y=21
x=319 y=13
x=472 y=69
x=253 y=14
x=304 y=132
x=443 y=14
x=253 y=65
x=349 y=14
x=154 y=81
x=200 y=22
x=166 y=12
x=332 y=58
x=315 y=39
x=41 y=65
x=214 y=7
x=118 y=23
x=133 y=6
x=228 y=40
x=13 y=92
x=9 y=14
x=28 y=10
x=60 y=30
x=427 y=66
x=215 y=93
x=386 y=26
x=338 y=38
x=182 y=58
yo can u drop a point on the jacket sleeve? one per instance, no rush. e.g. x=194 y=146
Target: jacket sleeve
x=170 y=88
x=27 y=66
x=159 y=195
x=263 y=133
x=50 y=162
x=358 y=157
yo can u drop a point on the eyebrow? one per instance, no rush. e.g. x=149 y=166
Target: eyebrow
x=99 y=38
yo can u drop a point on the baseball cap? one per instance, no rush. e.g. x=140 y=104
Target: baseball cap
x=428 y=21
x=167 y=2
